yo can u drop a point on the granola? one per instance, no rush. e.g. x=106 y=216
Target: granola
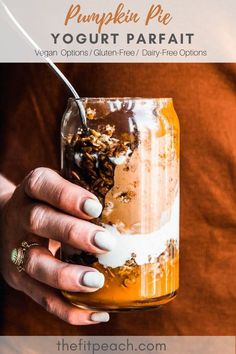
x=91 y=158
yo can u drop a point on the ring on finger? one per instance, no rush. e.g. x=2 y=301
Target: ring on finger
x=18 y=254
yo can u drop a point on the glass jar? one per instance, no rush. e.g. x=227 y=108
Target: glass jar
x=129 y=158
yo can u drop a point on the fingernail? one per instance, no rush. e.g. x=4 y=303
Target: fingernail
x=93 y=280
x=100 y=317
x=92 y=208
x=104 y=240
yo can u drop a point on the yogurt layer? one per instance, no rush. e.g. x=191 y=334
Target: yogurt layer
x=146 y=247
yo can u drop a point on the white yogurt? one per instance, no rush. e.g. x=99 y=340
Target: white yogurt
x=120 y=160
x=145 y=246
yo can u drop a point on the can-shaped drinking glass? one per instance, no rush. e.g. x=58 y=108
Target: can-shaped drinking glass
x=127 y=155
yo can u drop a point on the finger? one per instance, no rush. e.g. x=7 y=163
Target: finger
x=56 y=305
x=48 y=186
x=42 y=266
x=44 y=221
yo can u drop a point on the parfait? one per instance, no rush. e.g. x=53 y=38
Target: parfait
x=129 y=158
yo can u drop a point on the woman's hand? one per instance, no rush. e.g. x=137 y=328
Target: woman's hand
x=46 y=206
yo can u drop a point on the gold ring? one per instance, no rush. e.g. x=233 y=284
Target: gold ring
x=18 y=254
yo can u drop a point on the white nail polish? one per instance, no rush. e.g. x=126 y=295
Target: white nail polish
x=100 y=317
x=93 y=280
x=105 y=240
x=92 y=208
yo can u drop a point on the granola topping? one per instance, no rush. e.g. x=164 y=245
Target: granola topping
x=94 y=156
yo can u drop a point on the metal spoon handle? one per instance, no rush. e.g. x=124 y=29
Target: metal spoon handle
x=72 y=89
x=50 y=63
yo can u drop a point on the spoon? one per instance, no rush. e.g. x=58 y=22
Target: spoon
x=56 y=70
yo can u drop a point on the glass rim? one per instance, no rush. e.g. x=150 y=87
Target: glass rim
x=121 y=98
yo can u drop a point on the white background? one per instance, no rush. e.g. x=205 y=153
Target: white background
x=212 y=21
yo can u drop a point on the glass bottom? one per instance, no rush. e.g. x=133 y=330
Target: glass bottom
x=146 y=304
x=132 y=287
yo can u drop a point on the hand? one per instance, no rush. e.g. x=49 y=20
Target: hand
x=46 y=206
